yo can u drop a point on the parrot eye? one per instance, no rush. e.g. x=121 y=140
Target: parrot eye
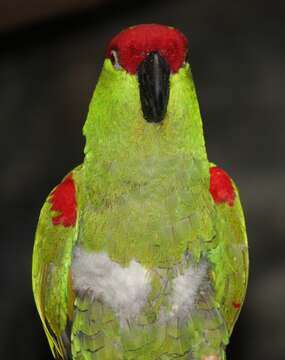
x=187 y=57
x=115 y=59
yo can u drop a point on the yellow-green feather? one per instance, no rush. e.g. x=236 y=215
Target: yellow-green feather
x=143 y=193
x=230 y=260
x=138 y=175
x=50 y=274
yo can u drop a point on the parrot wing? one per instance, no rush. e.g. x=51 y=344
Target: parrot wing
x=55 y=237
x=229 y=257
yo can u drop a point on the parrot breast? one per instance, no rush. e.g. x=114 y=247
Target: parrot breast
x=153 y=214
x=141 y=241
x=129 y=291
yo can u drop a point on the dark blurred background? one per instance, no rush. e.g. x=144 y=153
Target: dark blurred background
x=50 y=57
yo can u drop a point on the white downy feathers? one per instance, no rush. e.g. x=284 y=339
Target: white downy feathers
x=185 y=288
x=126 y=289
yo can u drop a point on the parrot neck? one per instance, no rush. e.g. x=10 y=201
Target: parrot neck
x=119 y=141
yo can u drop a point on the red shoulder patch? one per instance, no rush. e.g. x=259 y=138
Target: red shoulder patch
x=221 y=187
x=63 y=200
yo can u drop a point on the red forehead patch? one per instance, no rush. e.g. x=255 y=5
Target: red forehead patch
x=134 y=44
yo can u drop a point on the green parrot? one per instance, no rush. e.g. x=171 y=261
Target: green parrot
x=141 y=252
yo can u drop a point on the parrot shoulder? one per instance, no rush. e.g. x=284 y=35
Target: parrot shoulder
x=229 y=254
x=221 y=186
x=55 y=238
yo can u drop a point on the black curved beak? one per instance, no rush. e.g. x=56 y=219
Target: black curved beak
x=153 y=74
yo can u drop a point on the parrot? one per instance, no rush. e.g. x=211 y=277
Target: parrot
x=141 y=251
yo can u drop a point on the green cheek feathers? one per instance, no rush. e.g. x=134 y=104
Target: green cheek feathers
x=115 y=124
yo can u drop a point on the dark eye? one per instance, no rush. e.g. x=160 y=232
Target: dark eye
x=187 y=57
x=115 y=59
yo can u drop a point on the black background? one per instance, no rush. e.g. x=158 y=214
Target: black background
x=47 y=75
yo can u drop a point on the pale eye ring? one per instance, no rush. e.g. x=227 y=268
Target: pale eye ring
x=115 y=59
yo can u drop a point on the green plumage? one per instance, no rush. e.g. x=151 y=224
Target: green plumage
x=143 y=193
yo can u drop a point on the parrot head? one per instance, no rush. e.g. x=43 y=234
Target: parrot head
x=145 y=101
x=151 y=53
